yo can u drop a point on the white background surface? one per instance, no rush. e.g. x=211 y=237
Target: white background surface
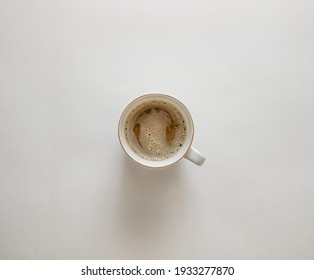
x=243 y=68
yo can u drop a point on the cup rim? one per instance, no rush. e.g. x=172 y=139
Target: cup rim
x=160 y=94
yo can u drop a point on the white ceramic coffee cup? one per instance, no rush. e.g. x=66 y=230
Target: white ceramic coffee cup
x=186 y=151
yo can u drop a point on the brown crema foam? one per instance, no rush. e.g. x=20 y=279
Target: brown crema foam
x=155 y=130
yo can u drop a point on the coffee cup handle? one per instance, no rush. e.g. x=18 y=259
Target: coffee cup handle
x=195 y=156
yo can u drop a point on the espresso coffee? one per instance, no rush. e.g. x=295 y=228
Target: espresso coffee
x=155 y=130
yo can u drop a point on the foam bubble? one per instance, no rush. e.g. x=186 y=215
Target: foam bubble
x=157 y=130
